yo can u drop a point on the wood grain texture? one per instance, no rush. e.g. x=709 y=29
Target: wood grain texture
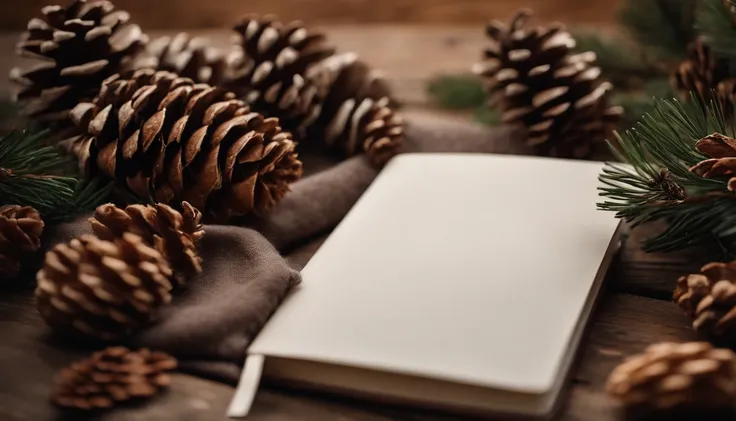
x=30 y=356
x=221 y=13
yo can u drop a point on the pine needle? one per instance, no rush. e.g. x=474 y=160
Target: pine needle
x=456 y=92
x=655 y=182
x=664 y=27
x=37 y=175
x=714 y=23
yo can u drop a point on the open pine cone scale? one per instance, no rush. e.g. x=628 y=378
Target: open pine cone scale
x=172 y=140
x=532 y=74
x=82 y=44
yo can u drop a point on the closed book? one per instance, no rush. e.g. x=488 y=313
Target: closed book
x=461 y=282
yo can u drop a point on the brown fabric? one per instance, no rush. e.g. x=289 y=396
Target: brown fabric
x=213 y=320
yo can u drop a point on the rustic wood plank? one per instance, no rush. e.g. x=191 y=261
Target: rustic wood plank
x=199 y=14
x=653 y=274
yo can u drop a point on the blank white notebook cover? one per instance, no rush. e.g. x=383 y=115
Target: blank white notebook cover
x=473 y=269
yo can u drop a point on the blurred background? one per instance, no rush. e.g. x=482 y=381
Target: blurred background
x=413 y=42
x=218 y=13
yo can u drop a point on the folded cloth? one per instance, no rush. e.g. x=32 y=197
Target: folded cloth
x=212 y=321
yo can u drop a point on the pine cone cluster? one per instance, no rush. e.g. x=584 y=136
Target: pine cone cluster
x=102 y=289
x=81 y=45
x=165 y=137
x=174 y=234
x=187 y=56
x=722 y=162
x=671 y=376
x=112 y=376
x=709 y=298
x=20 y=231
x=290 y=71
x=534 y=77
x=706 y=76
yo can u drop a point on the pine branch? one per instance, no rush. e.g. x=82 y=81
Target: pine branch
x=457 y=92
x=656 y=183
x=664 y=27
x=714 y=23
x=34 y=174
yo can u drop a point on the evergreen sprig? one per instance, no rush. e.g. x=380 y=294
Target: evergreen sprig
x=38 y=175
x=714 y=22
x=663 y=27
x=656 y=183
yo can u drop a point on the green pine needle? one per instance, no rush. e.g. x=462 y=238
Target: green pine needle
x=457 y=92
x=715 y=25
x=37 y=175
x=664 y=27
x=656 y=183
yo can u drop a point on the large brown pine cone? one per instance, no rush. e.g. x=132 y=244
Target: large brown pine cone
x=112 y=376
x=270 y=61
x=358 y=114
x=537 y=80
x=722 y=162
x=167 y=138
x=20 y=231
x=704 y=75
x=81 y=44
x=174 y=234
x=670 y=375
x=102 y=289
x=187 y=56
x=709 y=298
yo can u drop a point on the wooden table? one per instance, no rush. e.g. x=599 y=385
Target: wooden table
x=635 y=310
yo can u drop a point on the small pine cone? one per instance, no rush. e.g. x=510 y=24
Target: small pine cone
x=112 y=376
x=358 y=113
x=174 y=234
x=709 y=298
x=20 y=231
x=558 y=96
x=167 y=138
x=702 y=73
x=722 y=162
x=187 y=56
x=270 y=61
x=671 y=376
x=81 y=44
x=102 y=289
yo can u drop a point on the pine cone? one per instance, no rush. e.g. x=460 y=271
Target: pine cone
x=358 y=113
x=703 y=74
x=722 y=161
x=669 y=376
x=167 y=138
x=20 y=231
x=102 y=289
x=559 y=96
x=270 y=61
x=709 y=298
x=81 y=45
x=175 y=235
x=187 y=56
x=110 y=376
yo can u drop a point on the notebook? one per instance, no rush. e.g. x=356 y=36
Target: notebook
x=460 y=282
